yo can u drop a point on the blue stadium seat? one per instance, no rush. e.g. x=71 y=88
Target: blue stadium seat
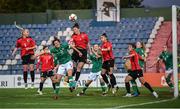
x=128 y=30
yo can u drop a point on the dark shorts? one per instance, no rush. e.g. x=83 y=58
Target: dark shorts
x=112 y=63
x=136 y=74
x=76 y=58
x=26 y=59
x=47 y=74
x=108 y=64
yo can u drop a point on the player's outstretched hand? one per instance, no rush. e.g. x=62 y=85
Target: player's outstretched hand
x=124 y=57
x=12 y=56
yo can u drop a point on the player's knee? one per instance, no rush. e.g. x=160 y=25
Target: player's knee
x=31 y=69
x=103 y=72
x=142 y=81
x=25 y=69
x=128 y=78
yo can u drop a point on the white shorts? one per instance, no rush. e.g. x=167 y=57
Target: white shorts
x=169 y=71
x=94 y=76
x=63 y=68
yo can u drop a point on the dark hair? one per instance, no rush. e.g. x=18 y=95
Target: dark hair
x=55 y=39
x=76 y=25
x=104 y=34
x=133 y=45
x=142 y=44
x=45 y=46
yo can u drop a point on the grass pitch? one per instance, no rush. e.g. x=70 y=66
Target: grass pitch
x=21 y=98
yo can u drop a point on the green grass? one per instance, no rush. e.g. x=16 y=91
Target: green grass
x=21 y=98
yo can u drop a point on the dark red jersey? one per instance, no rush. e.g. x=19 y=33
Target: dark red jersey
x=135 y=60
x=46 y=61
x=81 y=40
x=24 y=43
x=107 y=55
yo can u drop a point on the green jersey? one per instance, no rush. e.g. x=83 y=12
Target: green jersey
x=167 y=59
x=141 y=52
x=61 y=54
x=97 y=63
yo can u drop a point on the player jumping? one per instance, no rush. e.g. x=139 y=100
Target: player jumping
x=27 y=46
x=63 y=64
x=79 y=56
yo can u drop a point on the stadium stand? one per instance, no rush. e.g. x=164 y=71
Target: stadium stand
x=128 y=30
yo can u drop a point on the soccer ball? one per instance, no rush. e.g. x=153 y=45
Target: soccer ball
x=73 y=17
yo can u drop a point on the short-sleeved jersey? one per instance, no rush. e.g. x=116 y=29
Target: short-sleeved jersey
x=81 y=40
x=61 y=54
x=107 y=55
x=167 y=59
x=141 y=52
x=47 y=62
x=96 y=62
x=134 y=61
x=24 y=43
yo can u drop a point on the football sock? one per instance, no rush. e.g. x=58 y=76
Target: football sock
x=54 y=86
x=57 y=88
x=105 y=78
x=103 y=87
x=77 y=76
x=41 y=86
x=32 y=76
x=71 y=82
x=25 y=76
x=74 y=71
x=168 y=81
x=134 y=86
x=127 y=87
x=148 y=87
x=112 y=80
x=85 y=87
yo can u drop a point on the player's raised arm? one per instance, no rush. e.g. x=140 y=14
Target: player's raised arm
x=128 y=56
x=154 y=63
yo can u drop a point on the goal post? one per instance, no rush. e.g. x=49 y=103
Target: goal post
x=174 y=42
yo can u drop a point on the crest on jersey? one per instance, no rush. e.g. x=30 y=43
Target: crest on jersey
x=28 y=40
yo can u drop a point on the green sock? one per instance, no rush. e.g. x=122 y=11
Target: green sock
x=85 y=87
x=103 y=87
x=168 y=81
x=134 y=86
x=57 y=88
x=71 y=81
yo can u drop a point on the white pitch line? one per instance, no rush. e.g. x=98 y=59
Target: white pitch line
x=146 y=103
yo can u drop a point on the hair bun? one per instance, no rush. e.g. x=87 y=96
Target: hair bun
x=76 y=25
x=104 y=34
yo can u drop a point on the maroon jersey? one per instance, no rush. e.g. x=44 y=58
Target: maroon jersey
x=107 y=55
x=135 y=60
x=24 y=43
x=81 y=40
x=46 y=61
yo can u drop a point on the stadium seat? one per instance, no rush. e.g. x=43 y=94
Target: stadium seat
x=128 y=30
